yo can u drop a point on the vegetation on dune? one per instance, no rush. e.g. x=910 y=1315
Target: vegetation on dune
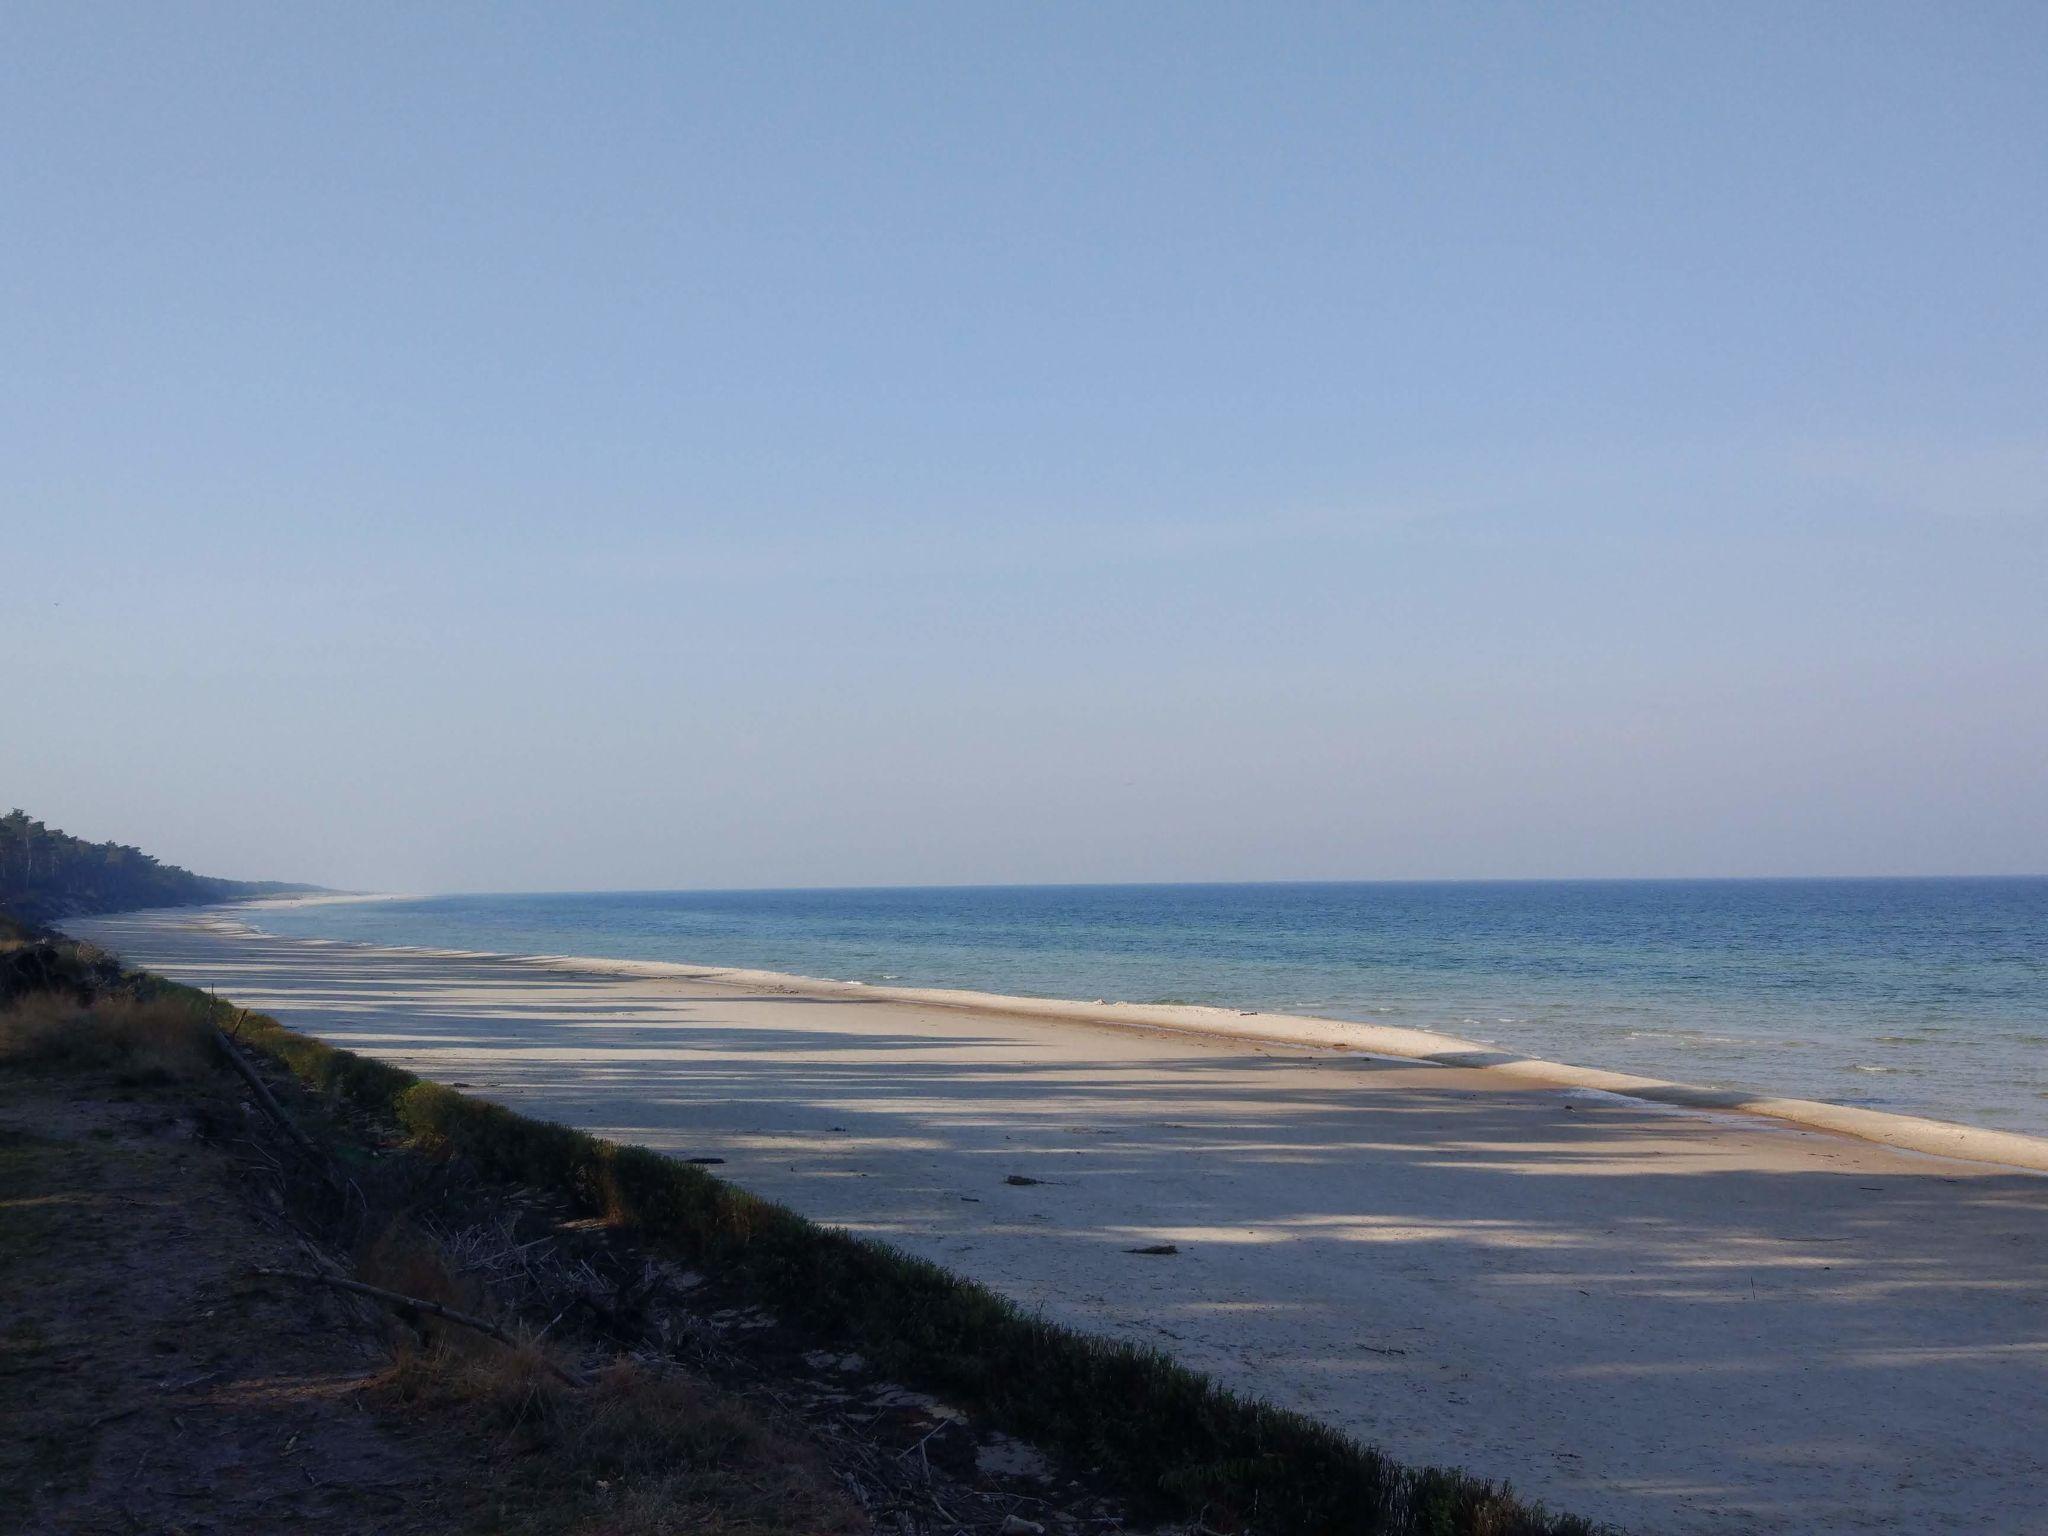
x=640 y=1447
x=163 y=1039
x=1175 y=1441
x=662 y=1454
x=45 y=874
x=35 y=962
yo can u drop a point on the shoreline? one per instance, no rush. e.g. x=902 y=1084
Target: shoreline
x=1909 y=1133
x=1672 y=1318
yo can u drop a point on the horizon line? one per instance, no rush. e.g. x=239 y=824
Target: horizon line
x=1075 y=885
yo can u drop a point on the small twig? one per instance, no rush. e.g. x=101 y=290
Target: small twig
x=275 y=1165
x=319 y=1260
x=900 y=1455
x=421 y=1304
x=202 y=1379
x=552 y=1321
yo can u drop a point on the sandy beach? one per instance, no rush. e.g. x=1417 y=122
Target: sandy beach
x=1678 y=1318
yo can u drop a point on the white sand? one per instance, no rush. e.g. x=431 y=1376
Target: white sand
x=1678 y=1320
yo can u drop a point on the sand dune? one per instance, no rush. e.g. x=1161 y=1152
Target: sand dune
x=1681 y=1321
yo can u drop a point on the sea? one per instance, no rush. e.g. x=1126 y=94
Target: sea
x=1922 y=996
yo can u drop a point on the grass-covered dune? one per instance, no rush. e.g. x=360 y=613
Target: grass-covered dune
x=1174 y=1440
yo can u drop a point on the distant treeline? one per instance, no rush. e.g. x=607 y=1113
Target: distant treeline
x=46 y=874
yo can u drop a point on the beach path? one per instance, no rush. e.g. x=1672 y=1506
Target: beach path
x=1676 y=1321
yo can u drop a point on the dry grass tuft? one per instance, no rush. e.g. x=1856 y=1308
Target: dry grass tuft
x=158 y=1040
x=639 y=1452
x=32 y=961
x=516 y=1390
x=402 y=1258
x=643 y=1450
x=637 y=1422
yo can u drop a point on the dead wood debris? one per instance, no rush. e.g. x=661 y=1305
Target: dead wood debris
x=913 y=1465
x=420 y=1304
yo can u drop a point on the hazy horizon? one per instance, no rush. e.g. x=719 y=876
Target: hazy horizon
x=382 y=894
x=801 y=447
x=974 y=885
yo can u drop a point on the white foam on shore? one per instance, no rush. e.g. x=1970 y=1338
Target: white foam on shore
x=1634 y=1313
x=1912 y=1133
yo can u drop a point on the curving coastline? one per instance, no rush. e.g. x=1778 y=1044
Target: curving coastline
x=1626 y=1307
x=1912 y=1133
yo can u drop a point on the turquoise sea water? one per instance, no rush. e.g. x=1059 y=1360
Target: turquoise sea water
x=1923 y=996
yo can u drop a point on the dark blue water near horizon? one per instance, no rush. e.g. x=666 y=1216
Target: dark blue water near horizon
x=1926 y=996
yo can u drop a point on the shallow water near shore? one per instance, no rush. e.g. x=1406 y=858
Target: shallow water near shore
x=1925 y=997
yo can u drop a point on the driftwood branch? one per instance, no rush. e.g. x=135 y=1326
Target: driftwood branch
x=275 y=1110
x=421 y=1304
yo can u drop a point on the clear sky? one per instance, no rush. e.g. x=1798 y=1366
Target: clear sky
x=449 y=447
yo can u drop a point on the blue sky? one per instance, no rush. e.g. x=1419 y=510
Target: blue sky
x=534 y=447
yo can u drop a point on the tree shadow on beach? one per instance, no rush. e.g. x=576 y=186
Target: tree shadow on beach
x=1693 y=1322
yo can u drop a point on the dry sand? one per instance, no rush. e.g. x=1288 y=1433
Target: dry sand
x=1678 y=1320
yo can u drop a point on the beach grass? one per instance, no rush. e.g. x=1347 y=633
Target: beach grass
x=1176 y=1443
x=1175 y=1440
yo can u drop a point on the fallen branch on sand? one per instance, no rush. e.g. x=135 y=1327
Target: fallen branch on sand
x=268 y=1101
x=421 y=1304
